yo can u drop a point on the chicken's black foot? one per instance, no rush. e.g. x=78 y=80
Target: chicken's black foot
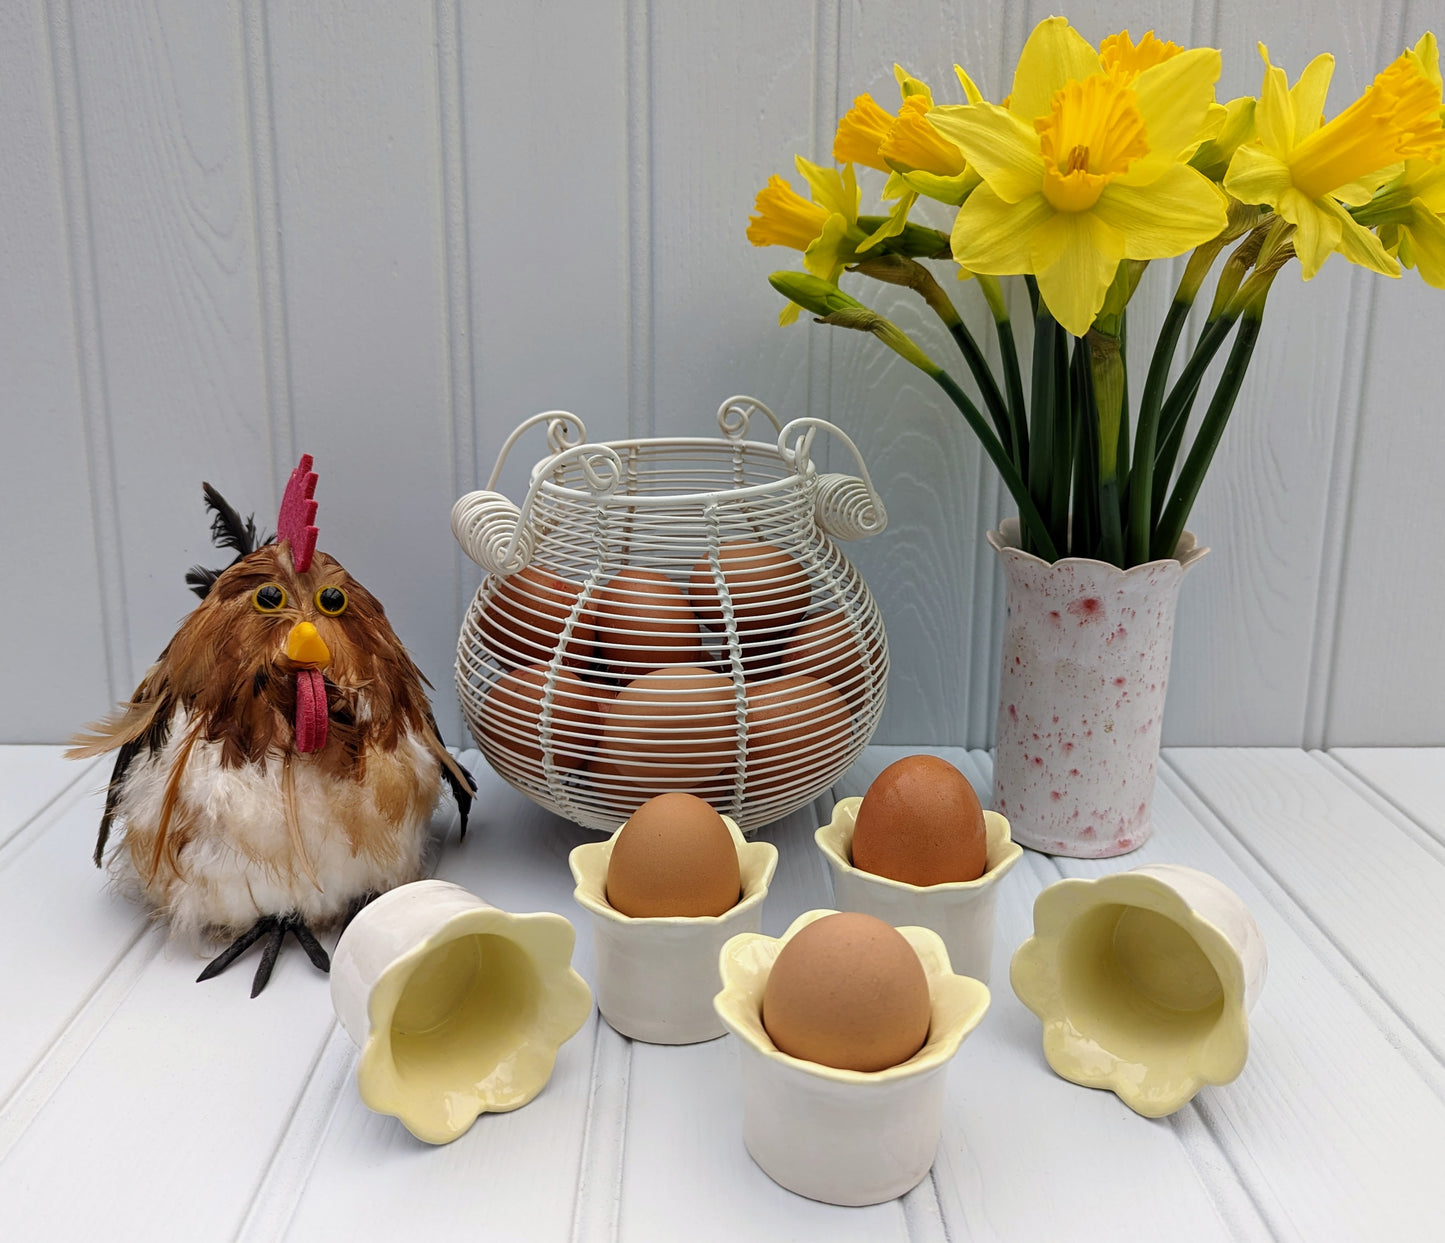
x=274 y=929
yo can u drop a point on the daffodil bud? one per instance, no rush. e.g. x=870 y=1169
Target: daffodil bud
x=820 y=297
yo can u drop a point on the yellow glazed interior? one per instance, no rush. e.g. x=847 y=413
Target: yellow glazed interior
x=470 y=1021
x=1137 y=992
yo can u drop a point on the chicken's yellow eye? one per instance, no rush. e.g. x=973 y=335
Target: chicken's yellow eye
x=331 y=601
x=269 y=599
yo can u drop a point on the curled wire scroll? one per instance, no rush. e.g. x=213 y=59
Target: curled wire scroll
x=564 y=431
x=734 y=415
x=847 y=507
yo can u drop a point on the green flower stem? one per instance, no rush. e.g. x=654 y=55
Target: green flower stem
x=1042 y=447
x=1013 y=377
x=909 y=273
x=1211 y=428
x=1141 y=482
x=832 y=306
x=1029 y=516
x=1107 y=376
x=978 y=365
x=1064 y=447
x=1084 y=538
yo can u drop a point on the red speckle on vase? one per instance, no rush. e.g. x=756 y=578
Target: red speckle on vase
x=1086 y=609
x=1068 y=746
x=1013 y=712
x=1074 y=772
x=1038 y=761
x=1054 y=616
x=1119 y=681
x=1087 y=831
x=1142 y=810
x=1056 y=796
x=1125 y=843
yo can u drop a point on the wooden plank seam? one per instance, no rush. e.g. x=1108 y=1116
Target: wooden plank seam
x=95 y=406
x=1414 y=1046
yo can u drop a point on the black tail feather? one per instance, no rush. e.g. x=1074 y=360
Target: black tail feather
x=227 y=531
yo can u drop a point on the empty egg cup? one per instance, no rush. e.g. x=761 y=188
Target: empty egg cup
x=459 y=1008
x=961 y=912
x=656 y=977
x=1143 y=980
x=843 y=1136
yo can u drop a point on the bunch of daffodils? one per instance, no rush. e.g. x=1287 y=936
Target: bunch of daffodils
x=1099 y=161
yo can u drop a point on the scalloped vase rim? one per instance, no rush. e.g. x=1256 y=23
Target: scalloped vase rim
x=1004 y=539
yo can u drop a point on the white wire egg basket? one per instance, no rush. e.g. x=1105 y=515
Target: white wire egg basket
x=672 y=614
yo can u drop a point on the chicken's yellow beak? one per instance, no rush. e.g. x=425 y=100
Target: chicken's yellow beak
x=304 y=646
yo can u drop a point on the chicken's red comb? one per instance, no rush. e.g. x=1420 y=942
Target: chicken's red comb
x=298 y=513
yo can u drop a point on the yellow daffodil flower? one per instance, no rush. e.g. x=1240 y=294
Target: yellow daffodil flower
x=1228 y=128
x=1410 y=210
x=1308 y=170
x=826 y=229
x=1082 y=170
x=1124 y=60
x=861 y=131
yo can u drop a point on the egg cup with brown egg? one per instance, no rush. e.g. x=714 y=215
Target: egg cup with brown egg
x=656 y=976
x=846 y=1137
x=961 y=912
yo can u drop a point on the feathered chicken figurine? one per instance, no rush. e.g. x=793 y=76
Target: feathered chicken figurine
x=279 y=763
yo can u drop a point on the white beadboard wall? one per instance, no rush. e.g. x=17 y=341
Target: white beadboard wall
x=384 y=233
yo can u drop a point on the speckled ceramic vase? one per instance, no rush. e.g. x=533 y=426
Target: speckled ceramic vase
x=1081 y=696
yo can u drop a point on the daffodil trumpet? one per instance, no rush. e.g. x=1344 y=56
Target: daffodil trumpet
x=1098 y=162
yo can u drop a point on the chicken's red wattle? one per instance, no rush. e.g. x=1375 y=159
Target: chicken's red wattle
x=311 y=711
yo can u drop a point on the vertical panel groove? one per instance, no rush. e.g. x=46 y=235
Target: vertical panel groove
x=641 y=413
x=1344 y=461
x=461 y=394
x=90 y=349
x=261 y=135
x=827 y=32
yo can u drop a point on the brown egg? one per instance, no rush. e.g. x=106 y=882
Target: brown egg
x=674 y=856
x=769 y=589
x=921 y=823
x=825 y=647
x=677 y=724
x=797 y=727
x=643 y=622
x=848 y=991
x=512 y=716
x=522 y=623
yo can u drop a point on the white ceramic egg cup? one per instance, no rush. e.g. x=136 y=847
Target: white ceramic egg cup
x=961 y=912
x=1144 y=980
x=459 y=1008
x=656 y=977
x=843 y=1136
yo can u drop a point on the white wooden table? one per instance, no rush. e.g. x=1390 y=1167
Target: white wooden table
x=135 y=1103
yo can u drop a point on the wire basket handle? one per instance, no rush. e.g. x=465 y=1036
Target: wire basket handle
x=496 y=533
x=847 y=507
x=564 y=431
x=734 y=415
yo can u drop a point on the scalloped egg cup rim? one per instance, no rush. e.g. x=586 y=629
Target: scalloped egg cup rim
x=837 y=835
x=972 y=997
x=590 y=860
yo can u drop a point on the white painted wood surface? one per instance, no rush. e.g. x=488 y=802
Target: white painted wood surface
x=197 y=1113
x=384 y=234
